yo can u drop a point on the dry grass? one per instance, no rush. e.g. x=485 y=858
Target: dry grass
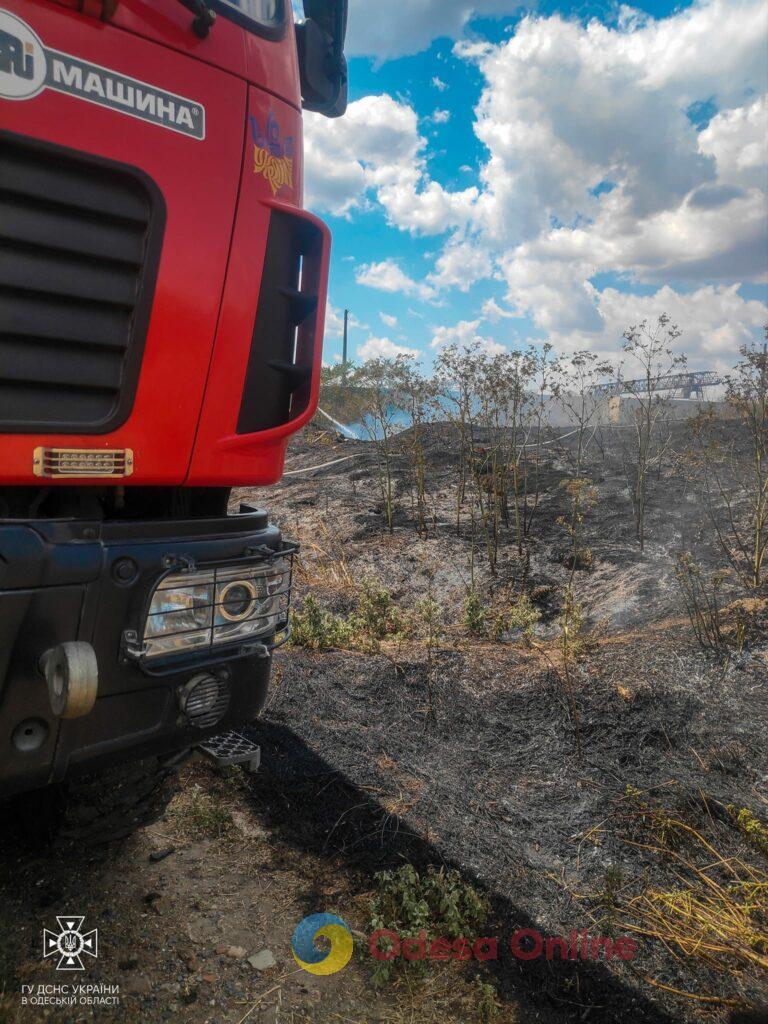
x=195 y=814
x=446 y=996
x=322 y=563
x=718 y=924
x=711 y=907
x=717 y=909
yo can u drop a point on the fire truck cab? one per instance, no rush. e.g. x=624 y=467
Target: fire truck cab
x=162 y=296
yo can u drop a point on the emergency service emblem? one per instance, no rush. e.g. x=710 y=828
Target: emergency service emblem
x=27 y=68
x=70 y=943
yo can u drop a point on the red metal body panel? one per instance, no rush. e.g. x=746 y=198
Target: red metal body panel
x=274 y=67
x=182 y=426
x=168 y=24
x=222 y=457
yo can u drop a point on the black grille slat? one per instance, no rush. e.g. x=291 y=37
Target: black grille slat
x=80 y=242
x=24 y=174
x=40 y=363
x=53 y=273
x=77 y=407
x=35 y=224
x=36 y=317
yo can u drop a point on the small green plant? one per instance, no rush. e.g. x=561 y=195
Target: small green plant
x=754 y=829
x=582 y=495
x=475 y=618
x=516 y=613
x=232 y=778
x=318 y=629
x=438 y=903
x=576 y=640
x=664 y=829
x=377 y=613
x=702 y=597
x=582 y=558
x=487 y=1002
x=720 y=627
x=375 y=618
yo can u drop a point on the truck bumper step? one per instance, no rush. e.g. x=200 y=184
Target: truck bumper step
x=230 y=748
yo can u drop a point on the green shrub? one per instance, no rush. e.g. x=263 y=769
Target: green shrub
x=375 y=618
x=613 y=882
x=377 y=614
x=517 y=613
x=427 y=621
x=487 y=1002
x=317 y=629
x=474 y=614
x=439 y=903
x=581 y=558
x=576 y=639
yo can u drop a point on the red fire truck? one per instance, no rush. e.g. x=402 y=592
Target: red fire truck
x=162 y=295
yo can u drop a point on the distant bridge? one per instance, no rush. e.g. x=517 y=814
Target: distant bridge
x=687 y=384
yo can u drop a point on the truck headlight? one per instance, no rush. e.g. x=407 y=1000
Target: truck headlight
x=197 y=610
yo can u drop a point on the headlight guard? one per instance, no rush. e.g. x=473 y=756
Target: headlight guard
x=205 y=609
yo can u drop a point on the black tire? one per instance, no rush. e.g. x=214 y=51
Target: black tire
x=92 y=810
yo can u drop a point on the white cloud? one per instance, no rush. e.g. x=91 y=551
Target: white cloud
x=439 y=84
x=376 y=130
x=493 y=312
x=440 y=117
x=465 y=335
x=736 y=140
x=387 y=276
x=568 y=106
x=383 y=348
x=376 y=149
x=386 y=30
x=715 y=321
x=461 y=265
x=388 y=321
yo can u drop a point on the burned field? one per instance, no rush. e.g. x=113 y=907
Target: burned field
x=547 y=722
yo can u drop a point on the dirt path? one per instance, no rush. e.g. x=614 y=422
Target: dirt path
x=177 y=929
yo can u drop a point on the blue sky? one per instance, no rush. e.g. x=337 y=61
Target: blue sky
x=522 y=175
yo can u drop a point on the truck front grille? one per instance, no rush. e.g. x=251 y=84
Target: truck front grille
x=80 y=241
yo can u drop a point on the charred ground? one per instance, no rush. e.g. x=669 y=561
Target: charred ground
x=590 y=809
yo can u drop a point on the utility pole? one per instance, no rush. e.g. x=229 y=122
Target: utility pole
x=346 y=336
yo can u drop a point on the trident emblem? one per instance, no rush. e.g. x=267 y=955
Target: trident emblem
x=70 y=943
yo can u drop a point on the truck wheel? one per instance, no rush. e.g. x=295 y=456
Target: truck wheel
x=92 y=810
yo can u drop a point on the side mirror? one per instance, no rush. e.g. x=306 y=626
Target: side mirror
x=322 y=64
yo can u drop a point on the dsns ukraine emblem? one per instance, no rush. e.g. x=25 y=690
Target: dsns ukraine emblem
x=322 y=961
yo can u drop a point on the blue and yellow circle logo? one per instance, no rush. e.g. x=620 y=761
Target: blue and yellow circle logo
x=322 y=961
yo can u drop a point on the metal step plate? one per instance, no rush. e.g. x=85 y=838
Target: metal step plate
x=232 y=748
